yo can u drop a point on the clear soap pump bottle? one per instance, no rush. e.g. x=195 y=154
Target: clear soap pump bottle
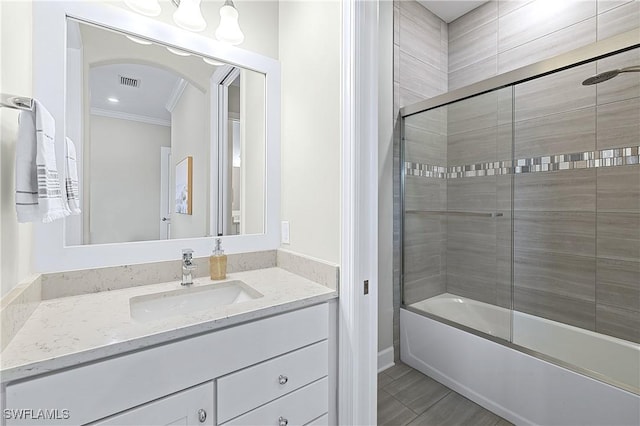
x=218 y=262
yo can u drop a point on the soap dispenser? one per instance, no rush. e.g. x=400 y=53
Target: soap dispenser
x=218 y=262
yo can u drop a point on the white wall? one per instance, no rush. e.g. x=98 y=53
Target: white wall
x=385 y=181
x=15 y=78
x=125 y=179
x=310 y=60
x=190 y=137
x=252 y=152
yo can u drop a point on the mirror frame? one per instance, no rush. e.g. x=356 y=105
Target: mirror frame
x=49 y=87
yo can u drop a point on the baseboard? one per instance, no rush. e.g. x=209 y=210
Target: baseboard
x=385 y=359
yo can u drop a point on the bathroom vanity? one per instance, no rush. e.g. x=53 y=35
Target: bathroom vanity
x=259 y=348
x=267 y=360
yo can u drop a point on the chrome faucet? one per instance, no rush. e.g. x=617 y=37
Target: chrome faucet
x=187 y=267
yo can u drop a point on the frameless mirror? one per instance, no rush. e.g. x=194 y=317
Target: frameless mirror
x=169 y=144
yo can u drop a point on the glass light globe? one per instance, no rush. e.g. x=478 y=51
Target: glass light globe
x=144 y=7
x=189 y=16
x=229 y=30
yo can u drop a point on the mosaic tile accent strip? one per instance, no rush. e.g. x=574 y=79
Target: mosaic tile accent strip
x=548 y=163
x=425 y=170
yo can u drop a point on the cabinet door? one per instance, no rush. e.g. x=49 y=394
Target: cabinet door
x=193 y=406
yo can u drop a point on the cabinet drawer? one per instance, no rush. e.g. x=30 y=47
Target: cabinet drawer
x=249 y=388
x=296 y=409
x=182 y=408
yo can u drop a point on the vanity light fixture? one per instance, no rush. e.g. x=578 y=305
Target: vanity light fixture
x=188 y=15
x=145 y=7
x=229 y=30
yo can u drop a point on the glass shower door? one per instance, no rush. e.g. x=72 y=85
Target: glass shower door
x=457 y=212
x=577 y=219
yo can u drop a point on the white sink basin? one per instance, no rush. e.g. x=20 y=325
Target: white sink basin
x=190 y=299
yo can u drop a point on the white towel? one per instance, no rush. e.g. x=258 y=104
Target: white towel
x=38 y=190
x=27 y=205
x=71 y=178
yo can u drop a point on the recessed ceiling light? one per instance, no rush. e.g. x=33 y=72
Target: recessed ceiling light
x=113 y=100
x=178 y=52
x=139 y=40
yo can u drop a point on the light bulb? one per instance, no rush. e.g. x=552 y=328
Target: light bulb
x=189 y=16
x=145 y=7
x=229 y=30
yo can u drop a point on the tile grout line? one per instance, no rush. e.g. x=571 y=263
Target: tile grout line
x=449 y=390
x=435 y=403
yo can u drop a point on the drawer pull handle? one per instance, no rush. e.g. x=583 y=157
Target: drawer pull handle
x=202 y=415
x=282 y=421
x=283 y=379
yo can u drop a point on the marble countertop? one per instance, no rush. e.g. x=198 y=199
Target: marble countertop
x=68 y=331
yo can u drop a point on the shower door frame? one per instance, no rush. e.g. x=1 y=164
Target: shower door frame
x=611 y=46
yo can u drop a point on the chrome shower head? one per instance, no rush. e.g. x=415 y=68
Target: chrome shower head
x=608 y=75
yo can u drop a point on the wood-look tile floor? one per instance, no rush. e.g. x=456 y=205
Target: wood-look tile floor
x=408 y=397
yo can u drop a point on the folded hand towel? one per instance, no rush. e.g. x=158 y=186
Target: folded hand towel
x=27 y=205
x=71 y=178
x=36 y=155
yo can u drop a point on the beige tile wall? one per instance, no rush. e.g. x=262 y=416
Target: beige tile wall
x=420 y=72
x=500 y=36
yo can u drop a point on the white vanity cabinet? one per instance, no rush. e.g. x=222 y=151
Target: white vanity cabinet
x=271 y=371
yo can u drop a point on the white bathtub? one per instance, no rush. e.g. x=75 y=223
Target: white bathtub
x=520 y=387
x=484 y=317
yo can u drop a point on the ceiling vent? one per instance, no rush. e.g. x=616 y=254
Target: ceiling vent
x=129 y=82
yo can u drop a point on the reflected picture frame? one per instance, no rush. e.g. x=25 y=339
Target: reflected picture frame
x=184 y=186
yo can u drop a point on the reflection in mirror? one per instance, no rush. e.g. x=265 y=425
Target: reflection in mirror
x=158 y=129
